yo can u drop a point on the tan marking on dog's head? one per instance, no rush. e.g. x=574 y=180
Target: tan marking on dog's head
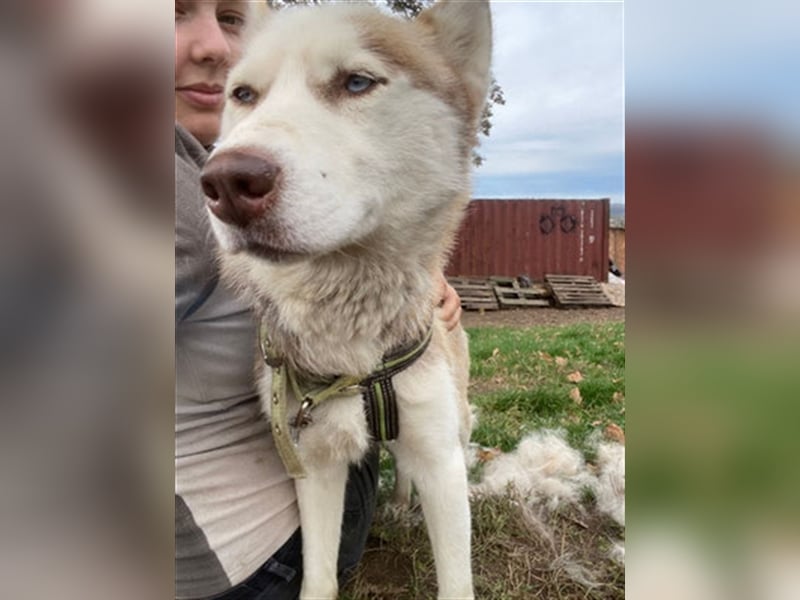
x=419 y=49
x=411 y=49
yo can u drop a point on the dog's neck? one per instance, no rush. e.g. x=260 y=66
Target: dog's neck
x=339 y=314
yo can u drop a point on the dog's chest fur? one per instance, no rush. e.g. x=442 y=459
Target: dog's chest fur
x=333 y=317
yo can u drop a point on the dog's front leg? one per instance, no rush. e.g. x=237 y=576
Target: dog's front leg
x=320 y=497
x=443 y=493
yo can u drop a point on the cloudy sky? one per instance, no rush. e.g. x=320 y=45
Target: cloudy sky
x=715 y=60
x=560 y=133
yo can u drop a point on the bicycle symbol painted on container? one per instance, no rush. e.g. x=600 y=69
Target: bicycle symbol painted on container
x=547 y=223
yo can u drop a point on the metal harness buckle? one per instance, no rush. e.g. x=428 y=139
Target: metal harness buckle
x=304 y=418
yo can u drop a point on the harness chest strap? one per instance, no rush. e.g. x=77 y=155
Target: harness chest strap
x=380 y=401
x=279 y=421
x=279 y=424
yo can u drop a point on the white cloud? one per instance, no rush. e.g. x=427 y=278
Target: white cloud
x=560 y=66
x=554 y=155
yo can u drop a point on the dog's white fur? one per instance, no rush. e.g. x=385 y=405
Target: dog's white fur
x=372 y=189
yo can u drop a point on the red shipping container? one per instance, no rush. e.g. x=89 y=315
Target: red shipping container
x=531 y=237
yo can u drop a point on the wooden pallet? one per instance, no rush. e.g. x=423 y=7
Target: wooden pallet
x=476 y=294
x=511 y=295
x=576 y=291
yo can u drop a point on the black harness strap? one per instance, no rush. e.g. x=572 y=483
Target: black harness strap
x=380 y=400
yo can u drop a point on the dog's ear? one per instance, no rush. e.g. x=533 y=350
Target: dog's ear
x=463 y=32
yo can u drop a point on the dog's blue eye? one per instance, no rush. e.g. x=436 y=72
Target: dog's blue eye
x=357 y=84
x=244 y=94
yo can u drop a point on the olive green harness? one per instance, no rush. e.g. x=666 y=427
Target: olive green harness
x=377 y=390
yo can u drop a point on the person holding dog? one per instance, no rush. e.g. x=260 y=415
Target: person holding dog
x=237 y=531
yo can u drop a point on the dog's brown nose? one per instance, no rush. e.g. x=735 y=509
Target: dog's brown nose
x=239 y=186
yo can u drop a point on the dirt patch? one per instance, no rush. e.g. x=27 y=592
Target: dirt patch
x=382 y=573
x=531 y=317
x=519 y=553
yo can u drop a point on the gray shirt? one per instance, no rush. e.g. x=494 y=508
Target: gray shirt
x=234 y=503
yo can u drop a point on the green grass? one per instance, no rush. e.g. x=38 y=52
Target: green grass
x=520 y=381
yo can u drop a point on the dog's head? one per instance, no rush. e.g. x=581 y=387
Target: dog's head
x=343 y=122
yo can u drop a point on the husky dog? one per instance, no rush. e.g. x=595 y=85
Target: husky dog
x=341 y=176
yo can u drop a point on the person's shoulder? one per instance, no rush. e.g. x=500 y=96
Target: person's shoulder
x=188 y=149
x=189 y=159
x=195 y=246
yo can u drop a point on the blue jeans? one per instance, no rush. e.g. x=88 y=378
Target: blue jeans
x=281 y=576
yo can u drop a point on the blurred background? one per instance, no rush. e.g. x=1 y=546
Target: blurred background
x=713 y=258
x=86 y=294
x=86 y=289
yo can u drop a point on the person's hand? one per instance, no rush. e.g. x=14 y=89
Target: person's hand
x=449 y=304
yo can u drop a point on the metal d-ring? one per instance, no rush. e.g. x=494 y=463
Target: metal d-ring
x=303 y=418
